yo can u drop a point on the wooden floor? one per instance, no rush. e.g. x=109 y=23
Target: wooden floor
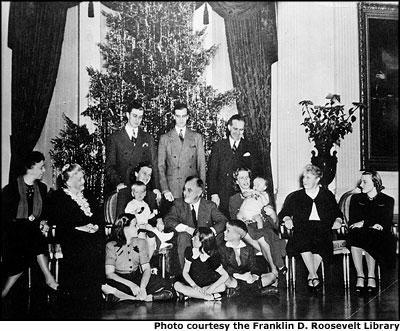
x=333 y=302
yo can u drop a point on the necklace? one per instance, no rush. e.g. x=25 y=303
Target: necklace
x=80 y=200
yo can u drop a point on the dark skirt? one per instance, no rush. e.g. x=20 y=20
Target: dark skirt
x=314 y=237
x=381 y=245
x=23 y=242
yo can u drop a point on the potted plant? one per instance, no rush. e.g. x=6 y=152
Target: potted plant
x=327 y=125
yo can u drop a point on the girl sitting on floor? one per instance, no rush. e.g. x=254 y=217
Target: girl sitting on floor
x=204 y=276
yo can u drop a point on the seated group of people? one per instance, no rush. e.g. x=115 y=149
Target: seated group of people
x=215 y=253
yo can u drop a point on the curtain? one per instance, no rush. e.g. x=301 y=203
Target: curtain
x=252 y=47
x=36 y=32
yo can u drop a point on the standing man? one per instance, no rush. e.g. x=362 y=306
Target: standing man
x=180 y=155
x=226 y=156
x=128 y=147
x=192 y=212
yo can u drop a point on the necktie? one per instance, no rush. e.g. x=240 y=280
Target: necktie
x=133 y=139
x=237 y=256
x=234 y=148
x=194 y=216
x=181 y=135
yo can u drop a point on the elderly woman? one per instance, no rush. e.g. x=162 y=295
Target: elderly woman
x=127 y=265
x=23 y=213
x=80 y=232
x=312 y=213
x=370 y=221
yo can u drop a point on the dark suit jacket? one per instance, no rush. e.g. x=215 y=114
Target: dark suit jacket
x=122 y=156
x=177 y=161
x=223 y=162
x=208 y=215
x=247 y=259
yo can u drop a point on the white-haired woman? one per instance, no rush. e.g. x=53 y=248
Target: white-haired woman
x=312 y=212
x=80 y=231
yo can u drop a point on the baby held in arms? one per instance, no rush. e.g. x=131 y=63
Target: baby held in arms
x=255 y=201
x=143 y=214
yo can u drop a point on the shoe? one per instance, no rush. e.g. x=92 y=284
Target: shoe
x=369 y=287
x=163 y=295
x=269 y=290
x=282 y=271
x=214 y=297
x=111 y=298
x=165 y=245
x=359 y=288
x=310 y=284
x=165 y=236
x=232 y=292
x=316 y=284
x=181 y=297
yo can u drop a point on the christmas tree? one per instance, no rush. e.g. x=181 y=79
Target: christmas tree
x=151 y=53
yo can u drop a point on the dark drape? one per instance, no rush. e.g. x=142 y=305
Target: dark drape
x=252 y=47
x=36 y=33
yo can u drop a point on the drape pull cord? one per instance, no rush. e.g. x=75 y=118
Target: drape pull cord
x=205 y=15
x=90 y=9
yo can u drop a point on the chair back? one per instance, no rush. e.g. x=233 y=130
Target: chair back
x=110 y=210
x=344 y=204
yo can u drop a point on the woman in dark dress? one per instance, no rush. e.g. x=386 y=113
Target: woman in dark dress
x=24 y=219
x=370 y=221
x=127 y=266
x=204 y=276
x=312 y=213
x=80 y=232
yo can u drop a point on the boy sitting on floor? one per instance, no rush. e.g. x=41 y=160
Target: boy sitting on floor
x=239 y=260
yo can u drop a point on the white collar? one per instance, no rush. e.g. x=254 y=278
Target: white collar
x=314 y=194
x=241 y=244
x=231 y=141
x=195 y=205
x=179 y=130
x=131 y=130
x=196 y=253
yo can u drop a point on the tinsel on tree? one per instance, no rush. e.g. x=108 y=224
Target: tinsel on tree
x=150 y=53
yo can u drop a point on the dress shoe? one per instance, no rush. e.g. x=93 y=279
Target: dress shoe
x=165 y=236
x=232 y=292
x=111 y=298
x=269 y=290
x=163 y=295
x=371 y=287
x=359 y=287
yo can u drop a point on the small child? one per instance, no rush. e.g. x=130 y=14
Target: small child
x=262 y=228
x=239 y=260
x=203 y=272
x=143 y=214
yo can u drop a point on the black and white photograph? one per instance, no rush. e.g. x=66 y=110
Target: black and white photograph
x=197 y=165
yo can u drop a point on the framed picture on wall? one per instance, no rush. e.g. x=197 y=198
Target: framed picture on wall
x=379 y=65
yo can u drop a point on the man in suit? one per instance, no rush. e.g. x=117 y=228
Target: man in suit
x=192 y=212
x=226 y=156
x=180 y=154
x=128 y=147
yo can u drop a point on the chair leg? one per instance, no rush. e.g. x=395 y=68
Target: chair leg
x=163 y=265
x=294 y=271
x=288 y=271
x=345 y=280
x=379 y=273
x=322 y=271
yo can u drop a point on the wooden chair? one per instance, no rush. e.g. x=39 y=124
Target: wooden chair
x=110 y=215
